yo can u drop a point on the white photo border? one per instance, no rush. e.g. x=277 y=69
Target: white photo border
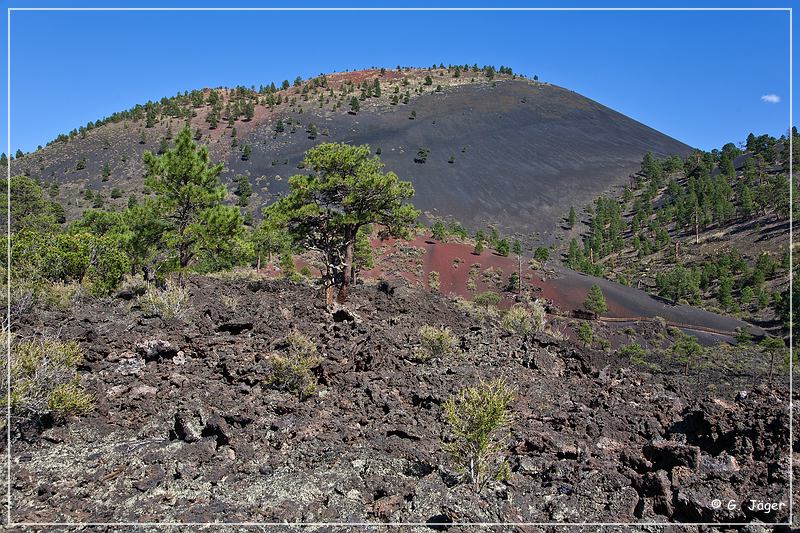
x=7 y=325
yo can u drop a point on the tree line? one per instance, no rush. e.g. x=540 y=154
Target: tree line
x=187 y=227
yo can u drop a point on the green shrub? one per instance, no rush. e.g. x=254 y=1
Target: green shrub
x=493 y=275
x=687 y=349
x=292 y=372
x=633 y=352
x=170 y=302
x=513 y=284
x=585 y=334
x=503 y=247
x=286 y=264
x=44 y=380
x=478 y=418
x=108 y=266
x=230 y=302
x=743 y=337
x=538 y=315
x=62 y=296
x=471 y=285
x=433 y=280
x=487 y=299
x=604 y=344
x=69 y=398
x=97 y=261
x=436 y=341
x=517 y=320
x=541 y=253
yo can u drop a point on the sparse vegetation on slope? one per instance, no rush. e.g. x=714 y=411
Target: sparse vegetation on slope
x=708 y=230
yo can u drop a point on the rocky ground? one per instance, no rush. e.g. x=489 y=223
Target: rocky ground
x=186 y=427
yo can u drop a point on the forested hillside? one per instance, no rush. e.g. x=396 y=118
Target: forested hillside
x=711 y=229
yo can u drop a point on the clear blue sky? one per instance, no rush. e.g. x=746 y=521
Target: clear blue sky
x=697 y=76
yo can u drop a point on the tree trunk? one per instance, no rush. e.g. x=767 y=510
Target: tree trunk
x=329 y=295
x=344 y=290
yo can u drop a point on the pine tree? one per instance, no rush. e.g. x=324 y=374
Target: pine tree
x=774 y=347
x=151 y=118
x=572 y=217
x=502 y=247
x=746 y=201
x=687 y=349
x=585 y=334
x=439 y=231
x=186 y=186
x=246 y=152
x=725 y=291
x=354 y=105
x=269 y=239
x=346 y=191
x=243 y=189
x=595 y=301
x=249 y=111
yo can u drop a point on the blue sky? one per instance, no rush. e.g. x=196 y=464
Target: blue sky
x=697 y=76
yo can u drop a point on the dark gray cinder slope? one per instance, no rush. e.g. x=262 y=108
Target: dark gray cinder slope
x=523 y=152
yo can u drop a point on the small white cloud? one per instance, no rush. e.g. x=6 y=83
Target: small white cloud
x=771 y=98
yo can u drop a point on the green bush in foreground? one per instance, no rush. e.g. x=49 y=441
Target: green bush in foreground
x=436 y=342
x=167 y=303
x=98 y=262
x=538 y=315
x=486 y=299
x=479 y=418
x=517 y=320
x=44 y=381
x=292 y=372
